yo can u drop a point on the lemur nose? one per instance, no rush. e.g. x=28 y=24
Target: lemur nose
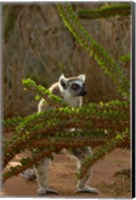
x=82 y=93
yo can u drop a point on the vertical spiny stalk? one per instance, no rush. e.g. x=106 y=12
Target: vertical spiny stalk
x=102 y=57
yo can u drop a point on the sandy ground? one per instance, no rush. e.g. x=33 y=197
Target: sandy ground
x=63 y=179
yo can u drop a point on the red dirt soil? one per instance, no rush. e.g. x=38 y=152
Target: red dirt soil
x=63 y=179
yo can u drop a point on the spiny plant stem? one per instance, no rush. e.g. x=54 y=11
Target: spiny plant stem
x=105 y=61
x=18 y=169
x=113 y=143
x=12 y=148
x=49 y=131
x=44 y=93
x=106 y=11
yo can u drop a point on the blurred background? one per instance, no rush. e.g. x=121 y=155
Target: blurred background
x=37 y=44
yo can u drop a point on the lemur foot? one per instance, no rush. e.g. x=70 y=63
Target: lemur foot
x=44 y=191
x=28 y=174
x=87 y=189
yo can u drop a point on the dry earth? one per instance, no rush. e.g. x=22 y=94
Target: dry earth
x=63 y=179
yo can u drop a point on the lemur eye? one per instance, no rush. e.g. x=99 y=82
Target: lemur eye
x=75 y=86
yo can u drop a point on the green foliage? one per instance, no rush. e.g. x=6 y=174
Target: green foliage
x=41 y=92
x=106 y=62
x=106 y=11
x=11 y=123
x=116 y=141
x=125 y=58
x=95 y=123
x=105 y=124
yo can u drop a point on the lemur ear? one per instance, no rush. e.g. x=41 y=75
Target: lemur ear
x=63 y=81
x=82 y=77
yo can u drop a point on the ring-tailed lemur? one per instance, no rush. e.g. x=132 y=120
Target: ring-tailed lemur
x=71 y=90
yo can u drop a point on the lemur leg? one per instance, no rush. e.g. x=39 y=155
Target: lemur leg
x=41 y=171
x=81 y=154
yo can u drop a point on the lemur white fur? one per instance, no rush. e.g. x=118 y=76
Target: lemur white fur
x=71 y=90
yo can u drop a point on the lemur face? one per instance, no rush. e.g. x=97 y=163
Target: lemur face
x=73 y=86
